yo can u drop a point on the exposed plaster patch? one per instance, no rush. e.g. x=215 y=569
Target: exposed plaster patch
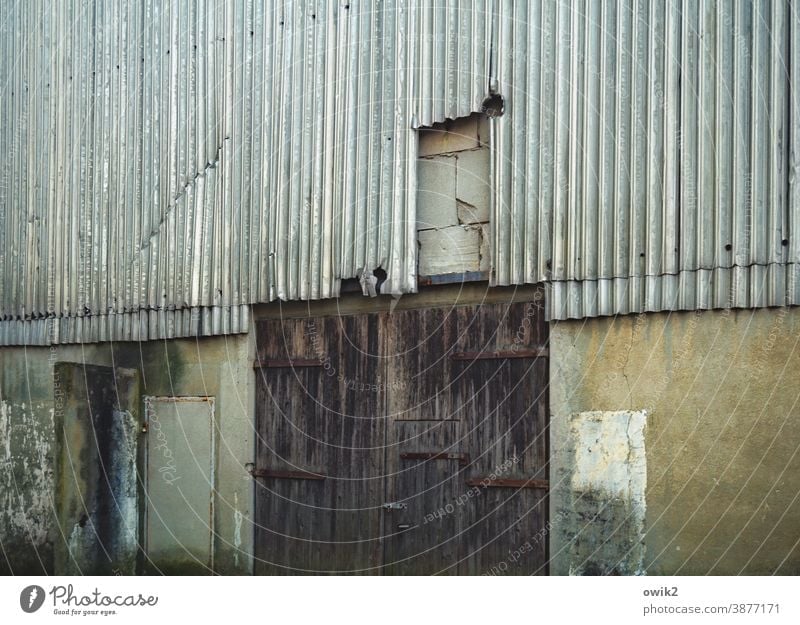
x=607 y=482
x=609 y=454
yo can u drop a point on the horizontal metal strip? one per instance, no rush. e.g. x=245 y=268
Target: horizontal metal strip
x=272 y=363
x=286 y=475
x=486 y=482
x=463 y=459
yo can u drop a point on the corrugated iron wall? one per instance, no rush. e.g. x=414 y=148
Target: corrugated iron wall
x=172 y=162
x=645 y=161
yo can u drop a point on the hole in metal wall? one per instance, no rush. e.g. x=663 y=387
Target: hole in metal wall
x=494 y=105
x=380 y=274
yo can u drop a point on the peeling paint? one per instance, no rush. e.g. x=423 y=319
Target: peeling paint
x=5 y=428
x=26 y=481
x=39 y=528
x=96 y=497
x=609 y=454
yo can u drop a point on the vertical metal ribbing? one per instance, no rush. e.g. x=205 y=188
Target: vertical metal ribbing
x=241 y=167
x=531 y=32
x=777 y=237
x=589 y=245
x=793 y=161
x=722 y=137
x=567 y=263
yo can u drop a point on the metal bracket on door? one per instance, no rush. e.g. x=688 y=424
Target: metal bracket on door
x=285 y=475
x=463 y=459
x=286 y=363
x=394 y=505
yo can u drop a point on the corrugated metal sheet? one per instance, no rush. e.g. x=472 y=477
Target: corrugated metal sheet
x=644 y=163
x=172 y=162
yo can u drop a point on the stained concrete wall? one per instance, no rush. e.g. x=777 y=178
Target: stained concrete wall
x=32 y=398
x=718 y=391
x=221 y=368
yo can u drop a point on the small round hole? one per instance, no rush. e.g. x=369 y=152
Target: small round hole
x=494 y=105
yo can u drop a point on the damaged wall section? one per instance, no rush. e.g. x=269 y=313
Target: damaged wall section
x=723 y=420
x=41 y=490
x=600 y=490
x=453 y=197
x=31 y=398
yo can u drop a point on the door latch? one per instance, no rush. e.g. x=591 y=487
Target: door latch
x=394 y=505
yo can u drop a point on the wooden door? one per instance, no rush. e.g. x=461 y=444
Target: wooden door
x=405 y=442
x=319 y=469
x=467 y=454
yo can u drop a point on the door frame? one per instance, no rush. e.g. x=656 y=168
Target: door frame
x=456 y=294
x=144 y=457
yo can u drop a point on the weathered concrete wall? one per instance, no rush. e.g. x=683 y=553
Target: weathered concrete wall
x=721 y=444
x=453 y=197
x=221 y=368
x=32 y=398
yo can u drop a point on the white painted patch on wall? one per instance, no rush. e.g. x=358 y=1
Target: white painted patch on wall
x=607 y=480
